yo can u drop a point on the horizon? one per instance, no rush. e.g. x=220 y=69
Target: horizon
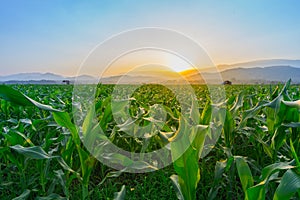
x=170 y=70
x=56 y=36
x=117 y=74
x=256 y=72
x=157 y=71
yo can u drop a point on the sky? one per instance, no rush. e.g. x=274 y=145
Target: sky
x=57 y=35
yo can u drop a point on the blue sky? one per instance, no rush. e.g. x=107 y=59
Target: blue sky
x=56 y=35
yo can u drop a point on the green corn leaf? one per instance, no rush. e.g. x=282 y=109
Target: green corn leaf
x=276 y=102
x=294 y=153
x=63 y=119
x=269 y=173
x=64 y=165
x=52 y=196
x=252 y=112
x=293 y=104
x=238 y=104
x=292 y=125
x=206 y=114
x=112 y=174
x=27 y=140
x=185 y=154
x=14 y=96
x=174 y=179
x=90 y=129
x=14 y=138
x=18 y=98
x=270 y=169
x=228 y=129
x=289 y=185
x=257 y=192
x=23 y=196
x=165 y=136
x=120 y=195
x=141 y=165
x=244 y=172
x=194 y=113
x=88 y=122
x=34 y=152
x=186 y=166
x=107 y=115
x=118 y=159
x=61 y=178
x=87 y=163
x=219 y=170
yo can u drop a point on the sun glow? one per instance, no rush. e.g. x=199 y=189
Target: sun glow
x=176 y=63
x=148 y=61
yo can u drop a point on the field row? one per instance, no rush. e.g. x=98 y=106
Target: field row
x=149 y=142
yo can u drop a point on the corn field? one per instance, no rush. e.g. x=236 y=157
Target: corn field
x=42 y=155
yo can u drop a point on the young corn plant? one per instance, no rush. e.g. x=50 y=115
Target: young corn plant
x=280 y=121
x=190 y=139
x=63 y=119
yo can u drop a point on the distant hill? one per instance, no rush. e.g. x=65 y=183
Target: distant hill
x=43 y=78
x=261 y=63
x=262 y=75
x=254 y=75
x=261 y=71
x=31 y=77
x=50 y=78
x=250 y=64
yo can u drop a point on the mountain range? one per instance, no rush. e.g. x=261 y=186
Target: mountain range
x=256 y=75
x=261 y=71
x=44 y=78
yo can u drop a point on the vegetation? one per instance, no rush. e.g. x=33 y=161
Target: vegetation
x=256 y=156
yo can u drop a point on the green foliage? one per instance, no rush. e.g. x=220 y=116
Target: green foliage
x=186 y=165
x=120 y=195
x=256 y=156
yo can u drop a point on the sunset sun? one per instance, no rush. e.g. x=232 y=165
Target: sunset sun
x=176 y=63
